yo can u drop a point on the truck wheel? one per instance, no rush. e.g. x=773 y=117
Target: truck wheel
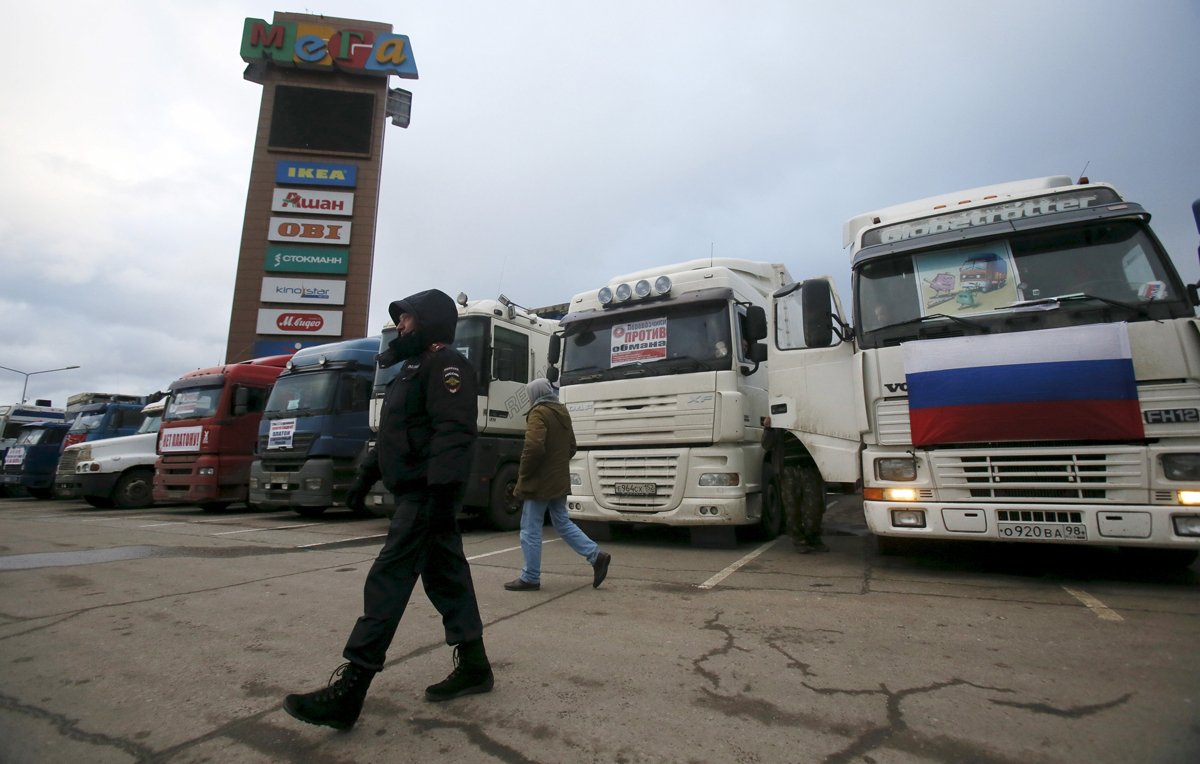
x=773 y=519
x=99 y=502
x=134 y=490
x=504 y=510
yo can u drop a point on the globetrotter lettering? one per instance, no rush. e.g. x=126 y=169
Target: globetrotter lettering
x=998 y=213
x=300 y=322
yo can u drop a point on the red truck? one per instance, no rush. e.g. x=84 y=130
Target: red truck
x=209 y=431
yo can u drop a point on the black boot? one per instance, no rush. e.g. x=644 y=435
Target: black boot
x=472 y=674
x=339 y=704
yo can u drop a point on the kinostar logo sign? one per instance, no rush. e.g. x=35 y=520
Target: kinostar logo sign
x=319 y=323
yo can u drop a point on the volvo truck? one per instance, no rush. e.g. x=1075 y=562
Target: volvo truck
x=314 y=427
x=507 y=345
x=1062 y=406
x=663 y=373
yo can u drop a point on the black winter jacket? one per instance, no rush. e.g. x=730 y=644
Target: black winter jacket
x=427 y=424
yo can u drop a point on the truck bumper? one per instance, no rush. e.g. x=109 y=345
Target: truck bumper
x=188 y=483
x=1124 y=525
x=734 y=510
x=311 y=486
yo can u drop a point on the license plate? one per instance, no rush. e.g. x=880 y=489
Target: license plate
x=635 y=489
x=1042 y=531
x=279 y=477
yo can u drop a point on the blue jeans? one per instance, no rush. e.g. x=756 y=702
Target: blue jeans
x=533 y=516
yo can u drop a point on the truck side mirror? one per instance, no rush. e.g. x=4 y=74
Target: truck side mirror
x=817 y=301
x=241 y=401
x=755 y=325
x=554 y=350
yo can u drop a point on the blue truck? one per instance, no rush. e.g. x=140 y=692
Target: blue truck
x=30 y=462
x=99 y=416
x=313 y=428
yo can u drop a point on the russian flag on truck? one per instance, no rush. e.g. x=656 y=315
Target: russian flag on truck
x=1072 y=383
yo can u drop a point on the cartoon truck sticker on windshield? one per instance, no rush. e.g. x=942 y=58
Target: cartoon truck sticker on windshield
x=985 y=272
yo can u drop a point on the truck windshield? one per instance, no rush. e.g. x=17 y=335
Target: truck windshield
x=32 y=436
x=470 y=339
x=1096 y=272
x=302 y=394
x=150 y=423
x=656 y=342
x=193 y=403
x=87 y=423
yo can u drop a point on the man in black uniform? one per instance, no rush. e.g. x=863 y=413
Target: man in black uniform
x=423 y=455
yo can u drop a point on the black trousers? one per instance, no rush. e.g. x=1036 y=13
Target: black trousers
x=423 y=541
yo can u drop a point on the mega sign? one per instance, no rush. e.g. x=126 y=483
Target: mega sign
x=318 y=46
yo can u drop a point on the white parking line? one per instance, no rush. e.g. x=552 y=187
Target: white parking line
x=509 y=549
x=1102 y=611
x=341 y=541
x=710 y=583
x=275 y=528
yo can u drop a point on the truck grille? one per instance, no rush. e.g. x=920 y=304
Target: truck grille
x=659 y=469
x=67 y=462
x=1041 y=474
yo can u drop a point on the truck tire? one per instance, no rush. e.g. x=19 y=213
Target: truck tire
x=504 y=509
x=134 y=489
x=774 y=519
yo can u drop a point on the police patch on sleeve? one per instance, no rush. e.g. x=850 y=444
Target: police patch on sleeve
x=452 y=379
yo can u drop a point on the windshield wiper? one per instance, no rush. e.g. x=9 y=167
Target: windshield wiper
x=1137 y=310
x=930 y=317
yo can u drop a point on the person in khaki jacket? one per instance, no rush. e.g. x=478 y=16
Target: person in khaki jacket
x=543 y=482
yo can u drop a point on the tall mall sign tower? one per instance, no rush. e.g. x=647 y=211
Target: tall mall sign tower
x=304 y=270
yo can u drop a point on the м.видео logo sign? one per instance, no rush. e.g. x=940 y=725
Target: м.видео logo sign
x=354 y=51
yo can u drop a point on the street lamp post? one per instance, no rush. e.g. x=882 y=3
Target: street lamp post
x=28 y=374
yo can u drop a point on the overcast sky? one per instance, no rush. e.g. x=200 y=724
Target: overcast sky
x=554 y=145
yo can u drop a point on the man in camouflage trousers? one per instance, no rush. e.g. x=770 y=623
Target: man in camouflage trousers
x=805 y=509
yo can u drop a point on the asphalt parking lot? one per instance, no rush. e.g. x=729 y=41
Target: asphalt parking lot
x=171 y=634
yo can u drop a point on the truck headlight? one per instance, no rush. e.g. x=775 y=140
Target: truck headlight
x=1188 y=498
x=1181 y=466
x=896 y=469
x=908 y=518
x=206 y=471
x=723 y=479
x=254 y=480
x=312 y=484
x=576 y=479
x=1187 y=525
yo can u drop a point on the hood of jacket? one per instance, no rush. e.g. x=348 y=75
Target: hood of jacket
x=558 y=411
x=436 y=314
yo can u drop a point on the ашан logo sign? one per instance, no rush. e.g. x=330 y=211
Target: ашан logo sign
x=300 y=322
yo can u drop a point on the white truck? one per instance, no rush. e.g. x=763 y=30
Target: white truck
x=507 y=345
x=662 y=373
x=114 y=472
x=1060 y=405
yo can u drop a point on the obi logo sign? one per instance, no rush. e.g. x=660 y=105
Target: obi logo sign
x=301 y=200
x=309 y=230
x=316 y=174
x=321 y=323
x=320 y=46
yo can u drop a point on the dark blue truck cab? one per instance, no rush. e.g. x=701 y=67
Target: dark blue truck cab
x=31 y=461
x=314 y=427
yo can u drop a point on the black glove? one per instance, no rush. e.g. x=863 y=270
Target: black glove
x=446 y=495
x=356 y=495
